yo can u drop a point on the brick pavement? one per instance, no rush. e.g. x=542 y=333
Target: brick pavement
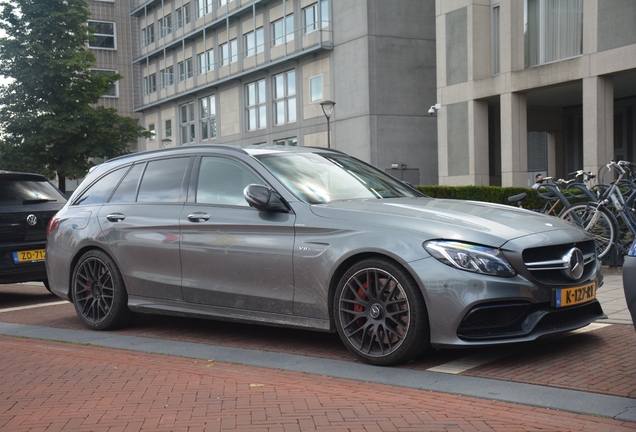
x=52 y=386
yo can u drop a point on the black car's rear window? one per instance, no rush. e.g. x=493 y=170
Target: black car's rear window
x=26 y=191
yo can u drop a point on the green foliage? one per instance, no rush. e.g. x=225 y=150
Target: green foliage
x=49 y=122
x=493 y=194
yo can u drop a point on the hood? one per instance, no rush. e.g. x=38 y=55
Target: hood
x=472 y=221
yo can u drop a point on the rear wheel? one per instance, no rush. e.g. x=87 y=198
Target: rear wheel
x=99 y=294
x=596 y=220
x=380 y=313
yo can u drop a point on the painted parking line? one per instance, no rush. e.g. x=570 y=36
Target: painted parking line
x=463 y=364
x=33 y=306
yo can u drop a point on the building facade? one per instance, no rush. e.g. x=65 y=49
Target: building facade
x=247 y=72
x=533 y=86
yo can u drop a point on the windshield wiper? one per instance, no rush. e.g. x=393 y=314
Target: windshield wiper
x=38 y=201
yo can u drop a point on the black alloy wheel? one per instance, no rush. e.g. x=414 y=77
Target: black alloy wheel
x=380 y=313
x=99 y=294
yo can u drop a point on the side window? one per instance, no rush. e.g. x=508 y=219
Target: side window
x=99 y=192
x=221 y=181
x=127 y=189
x=162 y=180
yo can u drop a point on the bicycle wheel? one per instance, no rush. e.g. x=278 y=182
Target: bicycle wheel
x=596 y=220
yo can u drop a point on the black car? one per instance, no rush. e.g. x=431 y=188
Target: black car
x=27 y=204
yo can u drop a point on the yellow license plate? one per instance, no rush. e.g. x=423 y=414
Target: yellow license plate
x=575 y=295
x=29 y=256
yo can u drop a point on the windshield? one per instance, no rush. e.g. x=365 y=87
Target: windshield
x=21 y=191
x=317 y=178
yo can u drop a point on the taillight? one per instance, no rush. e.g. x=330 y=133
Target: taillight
x=53 y=223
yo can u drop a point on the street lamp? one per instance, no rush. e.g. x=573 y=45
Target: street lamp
x=166 y=142
x=327 y=109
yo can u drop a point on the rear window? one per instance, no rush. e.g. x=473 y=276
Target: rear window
x=25 y=191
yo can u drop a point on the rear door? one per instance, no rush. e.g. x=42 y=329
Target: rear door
x=232 y=255
x=141 y=226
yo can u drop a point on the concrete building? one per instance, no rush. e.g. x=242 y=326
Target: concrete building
x=533 y=86
x=245 y=72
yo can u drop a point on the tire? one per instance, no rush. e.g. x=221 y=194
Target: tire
x=47 y=286
x=98 y=292
x=604 y=230
x=380 y=313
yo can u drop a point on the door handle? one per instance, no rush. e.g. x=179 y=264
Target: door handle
x=198 y=217
x=116 y=217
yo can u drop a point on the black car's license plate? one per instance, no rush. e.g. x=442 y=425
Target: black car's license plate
x=29 y=256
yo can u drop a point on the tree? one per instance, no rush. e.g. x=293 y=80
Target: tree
x=49 y=122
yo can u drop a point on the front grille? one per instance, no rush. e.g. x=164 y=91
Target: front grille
x=554 y=274
x=563 y=317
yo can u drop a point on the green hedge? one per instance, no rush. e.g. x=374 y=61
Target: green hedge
x=491 y=194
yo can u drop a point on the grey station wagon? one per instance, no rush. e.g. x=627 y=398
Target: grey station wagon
x=316 y=239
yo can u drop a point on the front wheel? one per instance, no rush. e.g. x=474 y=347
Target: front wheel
x=99 y=294
x=596 y=220
x=380 y=313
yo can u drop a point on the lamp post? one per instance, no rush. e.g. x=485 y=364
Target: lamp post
x=166 y=142
x=327 y=109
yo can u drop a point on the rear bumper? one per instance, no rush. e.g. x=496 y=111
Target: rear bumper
x=10 y=272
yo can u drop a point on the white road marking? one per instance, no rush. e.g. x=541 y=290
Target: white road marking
x=463 y=364
x=33 y=306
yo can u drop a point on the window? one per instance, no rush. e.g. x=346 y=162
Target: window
x=186 y=118
x=495 y=37
x=104 y=36
x=163 y=180
x=113 y=90
x=183 y=15
x=100 y=191
x=185 y=69
x=315 y=88
x=206 y=61
x=167 y=76
x=222 y=181
x=256 y=109
x=150 y=83
x=203 y=7
x=207 y=115
x=165 y=25
x=229 y=52
x=152 y=130
x=285 y=97
x=290 y=142
x=254 y=42
x=324 y=13
x=148 y=35
x=553 y=30
x=311 y=18
x=168 y=128
x=127 y=189
x=283 y=30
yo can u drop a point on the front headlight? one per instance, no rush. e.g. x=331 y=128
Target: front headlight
x=470 y=257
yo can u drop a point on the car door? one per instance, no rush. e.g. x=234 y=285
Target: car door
x=232 y=255
x=141 y=225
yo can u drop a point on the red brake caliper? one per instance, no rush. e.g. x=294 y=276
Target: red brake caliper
x=361 y=292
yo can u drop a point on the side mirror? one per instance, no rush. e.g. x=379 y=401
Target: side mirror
x=265 y=199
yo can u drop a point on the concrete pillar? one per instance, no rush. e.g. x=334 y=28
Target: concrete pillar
x=514 y=140
x=478 y=142
x=598 y=122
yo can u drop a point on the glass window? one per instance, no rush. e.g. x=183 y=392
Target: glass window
x=185 y=69
x=285 y=97
x=311 y=18
x=163 y=180
x=186 y=119
x=222 y=181
x=167 y=76
x=256 y=109
x=207 y=117
x=206 y=61
x=495 y=37
x=150 y=83
x=104 y=36
x=233 y=50
x=168 y=128
x=151 y=129
x=315 y=87
x=165 y=25
x=100 y=191
x=324 y=13
x=283 y=30
x=290 y=142
x=553 y=30
x=183 y=15
x=113 y=90
x=254 y=42
x=127 y=189
x=26 y=189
